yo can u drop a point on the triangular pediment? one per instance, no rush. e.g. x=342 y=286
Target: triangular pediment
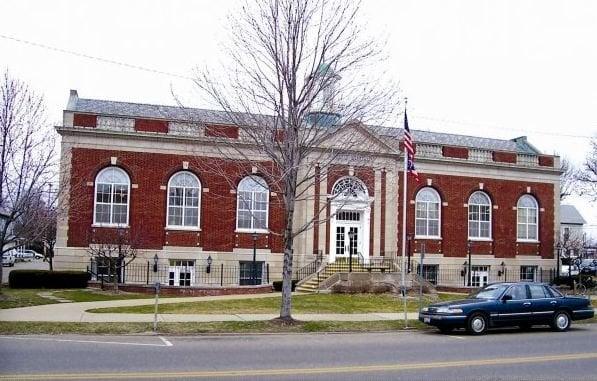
x=357 y=137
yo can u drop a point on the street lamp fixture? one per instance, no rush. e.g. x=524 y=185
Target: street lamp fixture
x=470 y=261
x=502 y=271
x=209 y=262
x=254 y=265
x=409 y=238
x=558 y=251
x=155 y=263
x=351 y=235
x=464 y=271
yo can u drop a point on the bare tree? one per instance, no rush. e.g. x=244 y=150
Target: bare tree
x=112 y=251
x=27 y=160
x=37 y=226
x=301 y=84
x=587 y=175
x=567 y=179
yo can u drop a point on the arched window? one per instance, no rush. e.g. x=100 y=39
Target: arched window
x=479 y=216
x=252 y=204
x=527 y=218
x=184 y=199
x=350 y=188
x=112 y=188
x=427 y=217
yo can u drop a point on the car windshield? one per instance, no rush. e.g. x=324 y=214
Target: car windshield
x=489 y=292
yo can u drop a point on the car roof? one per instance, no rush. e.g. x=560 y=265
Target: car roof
x=521 y=282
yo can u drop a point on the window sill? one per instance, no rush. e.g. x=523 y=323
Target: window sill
x=113 y=226
x=480 y=239
x=183 y=228
x=428 y=237
x=527 y=241
x=258 y=231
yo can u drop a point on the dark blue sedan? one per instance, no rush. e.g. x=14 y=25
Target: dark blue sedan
x=520 y=304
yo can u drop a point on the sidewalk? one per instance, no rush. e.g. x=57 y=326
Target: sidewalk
x=75 y=312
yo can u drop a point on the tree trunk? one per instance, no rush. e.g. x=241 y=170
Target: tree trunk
x=289 y=198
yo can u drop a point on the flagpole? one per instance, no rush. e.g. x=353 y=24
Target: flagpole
x=403 y=264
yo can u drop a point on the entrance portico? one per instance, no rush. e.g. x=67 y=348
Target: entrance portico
x=350 y=210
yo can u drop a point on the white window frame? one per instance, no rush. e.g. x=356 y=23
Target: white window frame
x=252 y=229
x=111 y=203
x=528 y=209
x=184 y=200
x=478 y=237
x=426 y=219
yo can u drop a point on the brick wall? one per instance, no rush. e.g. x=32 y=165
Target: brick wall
x=84 y=120
x=147 y=214
x=455 y=152
x=546 y=161
x=150 y=125
x=504 y=157
x=455 y=191
x=222 y=131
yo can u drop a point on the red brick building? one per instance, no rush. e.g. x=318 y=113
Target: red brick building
x=138 y=167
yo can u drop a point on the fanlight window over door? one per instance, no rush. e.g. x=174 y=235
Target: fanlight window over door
x=350 y=188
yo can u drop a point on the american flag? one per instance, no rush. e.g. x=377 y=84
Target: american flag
x=410 y=150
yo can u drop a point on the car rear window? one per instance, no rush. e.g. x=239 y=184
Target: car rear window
x=538 y=291
x=555 y=293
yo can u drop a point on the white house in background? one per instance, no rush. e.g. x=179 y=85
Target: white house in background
x=572 y=233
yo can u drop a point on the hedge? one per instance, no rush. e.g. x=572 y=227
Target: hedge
x=278 y=285
x=47 y=279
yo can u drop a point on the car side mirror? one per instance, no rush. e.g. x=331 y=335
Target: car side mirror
x=505 y=298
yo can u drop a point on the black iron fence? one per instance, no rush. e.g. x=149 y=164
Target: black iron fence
x=481 y=275
x=183 y=275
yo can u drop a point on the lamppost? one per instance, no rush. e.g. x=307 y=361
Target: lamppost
x=463 y=272
x=468 y=248
x=558 y=251
x=409 y=238
x=253 y=267
x=157 y=293
x=351 y=235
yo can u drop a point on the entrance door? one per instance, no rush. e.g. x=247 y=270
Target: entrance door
x=479 y=276
x=347 y=240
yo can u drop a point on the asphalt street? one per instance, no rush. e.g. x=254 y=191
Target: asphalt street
x=501 y=355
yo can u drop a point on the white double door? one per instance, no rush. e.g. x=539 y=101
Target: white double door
x=348 y=240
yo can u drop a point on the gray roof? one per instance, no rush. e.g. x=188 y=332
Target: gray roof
x=127 y=109
x=570 y=215
x=97 y=106
x=442 y=138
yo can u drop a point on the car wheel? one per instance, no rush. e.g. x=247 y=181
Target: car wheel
x=445 y=329
x=561 y=321
x=477 y=324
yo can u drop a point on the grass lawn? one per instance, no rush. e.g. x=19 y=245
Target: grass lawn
x=314 y=303
x=13 y=298
x=96 y=295
x=16 y=328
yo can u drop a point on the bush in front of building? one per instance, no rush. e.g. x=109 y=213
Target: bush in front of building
x=278 y=285
x=47 y=279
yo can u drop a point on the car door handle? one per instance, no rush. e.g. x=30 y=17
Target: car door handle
x=553 y=302
x=526 y=304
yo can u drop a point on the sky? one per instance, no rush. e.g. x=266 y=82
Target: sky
x=497 y=69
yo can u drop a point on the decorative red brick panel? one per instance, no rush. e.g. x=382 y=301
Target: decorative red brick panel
x=546 y=161
x=222 y=131
x=192 y=291
x=455 y=152
x=151 y=125
x=85 y=120
x=504 y=157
